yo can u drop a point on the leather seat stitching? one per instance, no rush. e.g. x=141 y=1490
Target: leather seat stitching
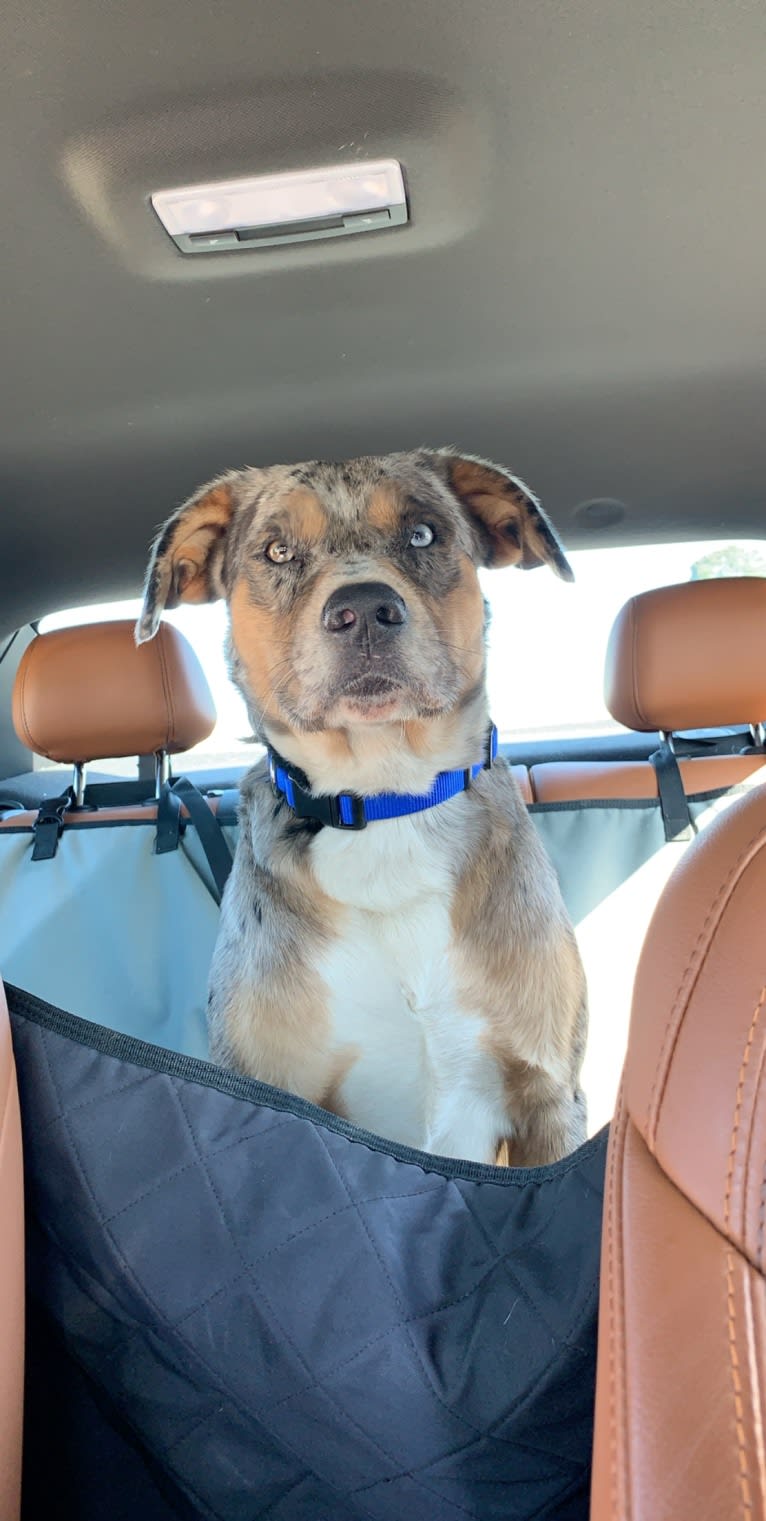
x=689 y=976
x=738 y=1109
x=22 y=705
x=736 y=1379
x=613 y=1267
x=634 y=661
x=736 y=1375
x=752 y=1150
x=166 y=687
x=761 y=1221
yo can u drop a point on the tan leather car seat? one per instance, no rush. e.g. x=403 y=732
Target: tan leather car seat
x=11 y=1277
x=691 y=656
x=682 y=1334
x=88 y=693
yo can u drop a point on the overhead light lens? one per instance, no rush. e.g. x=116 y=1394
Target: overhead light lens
x=274 y=202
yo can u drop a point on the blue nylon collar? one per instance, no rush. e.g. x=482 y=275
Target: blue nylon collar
x=348 y=811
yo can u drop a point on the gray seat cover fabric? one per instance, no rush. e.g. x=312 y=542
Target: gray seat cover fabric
x=107 y=912
x=297 y=1320
x=288 y=1318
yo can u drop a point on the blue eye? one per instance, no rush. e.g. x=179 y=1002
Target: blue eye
x=421 y=536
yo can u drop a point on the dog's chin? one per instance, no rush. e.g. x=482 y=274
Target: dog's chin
x=375 y=700
x=371 y=700
x=370 y=710
x=362 y=701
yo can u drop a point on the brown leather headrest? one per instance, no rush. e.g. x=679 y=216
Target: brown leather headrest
x=88 y=693
x=690 y=656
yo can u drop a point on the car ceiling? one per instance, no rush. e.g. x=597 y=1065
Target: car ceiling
x=579 y=295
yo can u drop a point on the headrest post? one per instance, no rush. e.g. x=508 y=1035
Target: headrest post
x=79 y=773
x=668 y=738
x=161 y=770
x=758 y=735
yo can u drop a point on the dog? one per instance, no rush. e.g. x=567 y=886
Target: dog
x=393 y=943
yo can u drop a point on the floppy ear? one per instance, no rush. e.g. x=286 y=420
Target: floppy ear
x=510 y=525
x=186 y=560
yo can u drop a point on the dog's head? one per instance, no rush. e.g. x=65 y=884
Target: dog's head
x=352 y=588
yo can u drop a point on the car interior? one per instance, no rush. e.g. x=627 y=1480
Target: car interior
x=253 y=234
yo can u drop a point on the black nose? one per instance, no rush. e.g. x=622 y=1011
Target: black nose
x=364 y=606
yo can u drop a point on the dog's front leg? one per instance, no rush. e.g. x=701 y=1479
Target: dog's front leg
x=267 y=1014
x=467 y=1134
x=547 y=1131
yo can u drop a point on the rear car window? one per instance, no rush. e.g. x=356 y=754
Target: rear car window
x=546 y=642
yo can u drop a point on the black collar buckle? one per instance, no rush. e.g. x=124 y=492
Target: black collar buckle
x=293 y=787
x=354 y=804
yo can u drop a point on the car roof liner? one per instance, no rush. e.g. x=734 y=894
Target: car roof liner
x=579 y=292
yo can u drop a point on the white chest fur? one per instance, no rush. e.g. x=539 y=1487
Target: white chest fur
x=420 y=1072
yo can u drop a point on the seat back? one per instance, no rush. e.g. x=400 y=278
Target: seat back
x=11 y=1277
x=682 y=1335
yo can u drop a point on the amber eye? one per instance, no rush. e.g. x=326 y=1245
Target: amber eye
x=278 y=551
x=421 y=536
